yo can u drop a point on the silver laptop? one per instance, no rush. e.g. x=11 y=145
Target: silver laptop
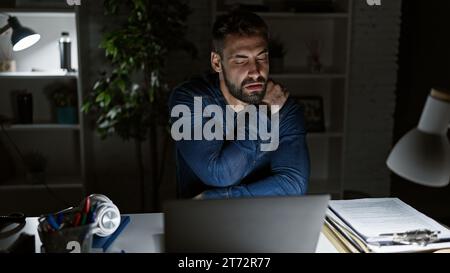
x=274 y=224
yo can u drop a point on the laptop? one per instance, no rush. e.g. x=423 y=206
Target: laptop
x=253 y=225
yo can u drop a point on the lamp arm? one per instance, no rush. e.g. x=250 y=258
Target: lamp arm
x=4 y=29
x=7 y=26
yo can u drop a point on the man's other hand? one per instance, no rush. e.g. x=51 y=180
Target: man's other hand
x=276 y=95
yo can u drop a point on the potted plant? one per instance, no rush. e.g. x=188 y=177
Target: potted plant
x=130 y=101
x=63 y=97
x=277 y=51
x=35 y=164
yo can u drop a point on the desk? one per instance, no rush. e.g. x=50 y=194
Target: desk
x=144 y=234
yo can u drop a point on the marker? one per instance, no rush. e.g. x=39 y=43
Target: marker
x=76 y=219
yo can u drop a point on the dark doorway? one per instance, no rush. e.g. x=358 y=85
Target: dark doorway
x=424 y=63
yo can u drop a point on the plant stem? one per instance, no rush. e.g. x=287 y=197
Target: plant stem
x=140 y=163
x=154 y=156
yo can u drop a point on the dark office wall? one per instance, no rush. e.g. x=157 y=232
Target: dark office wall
x=424 y=63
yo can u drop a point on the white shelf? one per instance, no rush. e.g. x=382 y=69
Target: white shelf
x=40 y=187
x=300 y=15
x=292 y=72
x=292 y=75
x=38 y=75
x=59 y=9
x=52 y=183
x=27 y=127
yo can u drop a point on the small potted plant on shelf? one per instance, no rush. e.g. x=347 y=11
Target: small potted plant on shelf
x=277 y=51
x=35 y=164
x=63 y=97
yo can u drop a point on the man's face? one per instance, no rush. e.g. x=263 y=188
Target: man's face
x=245 y=65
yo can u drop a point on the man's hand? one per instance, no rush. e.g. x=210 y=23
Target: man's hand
x=276 y=95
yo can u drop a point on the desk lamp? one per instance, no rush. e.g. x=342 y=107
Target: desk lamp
x=423 y=154
x=22 y=37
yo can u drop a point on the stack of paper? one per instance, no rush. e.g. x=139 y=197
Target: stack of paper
x=365 y=225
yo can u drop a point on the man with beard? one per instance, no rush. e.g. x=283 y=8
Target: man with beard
x=223 y=168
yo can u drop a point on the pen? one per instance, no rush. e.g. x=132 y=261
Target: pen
x=380 y=240
x=52 y=222
x=76 y=219
x=83 y=219
x=419 y=237
x=87 y=205
x=60 y=217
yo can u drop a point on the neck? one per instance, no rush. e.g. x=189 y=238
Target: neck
x=235 y=104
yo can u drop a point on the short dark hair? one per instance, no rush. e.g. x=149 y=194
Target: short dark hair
x=238 y=22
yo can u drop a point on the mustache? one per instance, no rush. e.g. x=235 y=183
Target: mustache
x=260 y=79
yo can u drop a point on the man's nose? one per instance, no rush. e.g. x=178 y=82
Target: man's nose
x=254 y=70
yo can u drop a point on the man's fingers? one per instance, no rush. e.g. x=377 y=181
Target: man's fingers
x=269 y=85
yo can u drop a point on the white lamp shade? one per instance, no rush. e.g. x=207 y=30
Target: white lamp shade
x=422 y=158
x=423 y=154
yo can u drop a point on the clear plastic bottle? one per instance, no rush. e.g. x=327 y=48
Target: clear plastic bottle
x=65 y=51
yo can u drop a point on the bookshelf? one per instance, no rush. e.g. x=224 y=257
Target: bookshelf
x=62 y=144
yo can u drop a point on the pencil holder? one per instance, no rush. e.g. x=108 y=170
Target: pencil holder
x=67 y=240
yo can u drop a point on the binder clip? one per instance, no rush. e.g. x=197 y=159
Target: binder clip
x=421 y=237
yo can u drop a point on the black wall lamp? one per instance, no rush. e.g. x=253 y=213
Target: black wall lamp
x=22 y=37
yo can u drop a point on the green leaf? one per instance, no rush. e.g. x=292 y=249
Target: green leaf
x=86 y=107
x=100 y=97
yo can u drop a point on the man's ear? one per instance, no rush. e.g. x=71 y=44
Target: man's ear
x=216 y=64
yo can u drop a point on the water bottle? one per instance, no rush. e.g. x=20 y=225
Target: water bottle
x=25 y=107
x=65 y=51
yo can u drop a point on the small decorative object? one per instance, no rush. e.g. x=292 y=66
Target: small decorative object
x=36 y=164
x=7 y=64
x=313 y=112
x=63 y=97
x=65 y=51
x=313 y=61
x=277 y=52
x=24 y=107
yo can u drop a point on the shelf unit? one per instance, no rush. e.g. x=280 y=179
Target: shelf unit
x=334 y=30
x=63 y=145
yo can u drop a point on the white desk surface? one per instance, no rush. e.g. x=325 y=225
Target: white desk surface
x=144 y=234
